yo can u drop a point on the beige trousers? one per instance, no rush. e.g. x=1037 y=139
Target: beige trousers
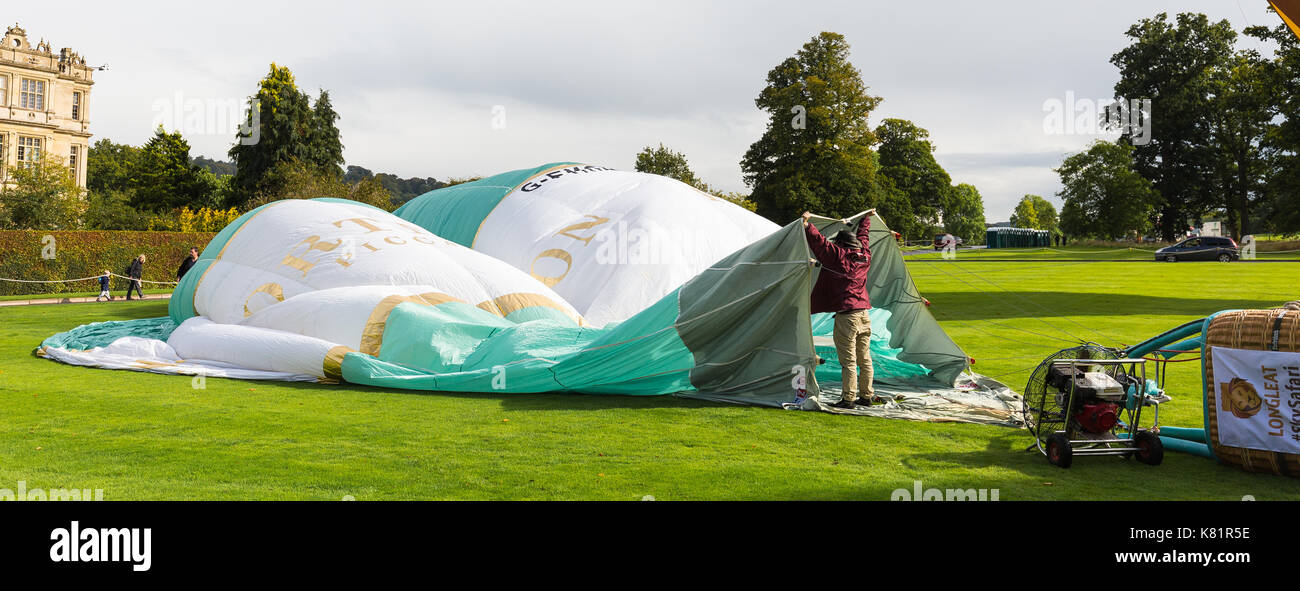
x=853 y=346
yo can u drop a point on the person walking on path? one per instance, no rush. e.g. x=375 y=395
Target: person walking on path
x=842 y=288
x=135 y=272
x=187 y=263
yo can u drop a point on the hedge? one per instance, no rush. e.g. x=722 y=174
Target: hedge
x=84 y=254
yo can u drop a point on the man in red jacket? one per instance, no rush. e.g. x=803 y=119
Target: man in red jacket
x=842 y=288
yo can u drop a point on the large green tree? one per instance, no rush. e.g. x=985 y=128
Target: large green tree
x=1104 y=196
x=907 y=160
x=288 y=130
x=816 y=153
x=1174 y=64
x=1035 y=212
x=326 y=142
x=109 y=166
x=164 y=178
x=1245 y=98
x=964 y=215
x=1279 y=207
x=42 y=195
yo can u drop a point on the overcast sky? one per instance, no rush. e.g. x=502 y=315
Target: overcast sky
x=416 y=83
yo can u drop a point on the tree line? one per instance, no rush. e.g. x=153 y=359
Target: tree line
x=818 y=153
x=1223 y=139
x=159 y=186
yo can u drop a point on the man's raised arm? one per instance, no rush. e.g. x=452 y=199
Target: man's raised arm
x=821 y=247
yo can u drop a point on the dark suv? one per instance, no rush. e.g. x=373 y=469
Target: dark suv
x=1201 y=248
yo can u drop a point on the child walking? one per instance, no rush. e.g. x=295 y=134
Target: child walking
x=103 y=288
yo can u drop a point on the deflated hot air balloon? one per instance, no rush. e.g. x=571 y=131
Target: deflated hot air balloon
x=563 y=277
x=610 y=242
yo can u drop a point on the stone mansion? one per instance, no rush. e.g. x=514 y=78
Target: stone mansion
x=44 y=104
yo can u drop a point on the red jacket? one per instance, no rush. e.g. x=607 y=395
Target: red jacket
x=842 y=284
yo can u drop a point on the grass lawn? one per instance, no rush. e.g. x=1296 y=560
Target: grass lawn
x=1139 y=253
x=146 y=436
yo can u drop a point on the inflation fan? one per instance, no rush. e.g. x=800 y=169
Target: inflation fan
x=1088 y=400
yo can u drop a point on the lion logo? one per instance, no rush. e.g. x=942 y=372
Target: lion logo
x=1240 y=398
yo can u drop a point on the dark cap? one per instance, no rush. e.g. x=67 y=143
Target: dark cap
x=846 y=238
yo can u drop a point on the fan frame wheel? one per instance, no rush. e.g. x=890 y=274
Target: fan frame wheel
x=1059 y=452
x=1151 y=450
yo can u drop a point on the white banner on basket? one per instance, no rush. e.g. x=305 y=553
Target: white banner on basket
x=1257 y=397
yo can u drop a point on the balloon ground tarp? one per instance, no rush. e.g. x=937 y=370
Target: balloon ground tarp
x=332 y=291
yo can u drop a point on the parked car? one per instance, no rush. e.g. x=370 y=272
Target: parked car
x=939 y=240
x=1201 y=248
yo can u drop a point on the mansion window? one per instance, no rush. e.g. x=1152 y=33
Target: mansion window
x=72 y=161
x=76 y=106
x=29 y=150
x=4 y=90
x=32 y=95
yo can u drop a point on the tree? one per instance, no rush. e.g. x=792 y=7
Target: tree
x=326 y=143
x=44 y=196
x=1174 y=65
x=302 y=181
x=1245 y=96
x=356 y=174
x=1279 y=206
x=289 y=130
x=1104 y=196
x=402 y=190
x=964 y=215
x=816 y=153
x=109 y=166
x=907 y=160
x=164 y=178
x=1035 y=212
x=665 y=162
x=895 y=208
x=218 y=167
x=738 y=198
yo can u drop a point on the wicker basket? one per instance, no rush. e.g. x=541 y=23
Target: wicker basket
x=1249 y=329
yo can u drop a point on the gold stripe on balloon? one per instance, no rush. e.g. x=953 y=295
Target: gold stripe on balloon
x=372 y=336
x=511 y=302
x=332 y=365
